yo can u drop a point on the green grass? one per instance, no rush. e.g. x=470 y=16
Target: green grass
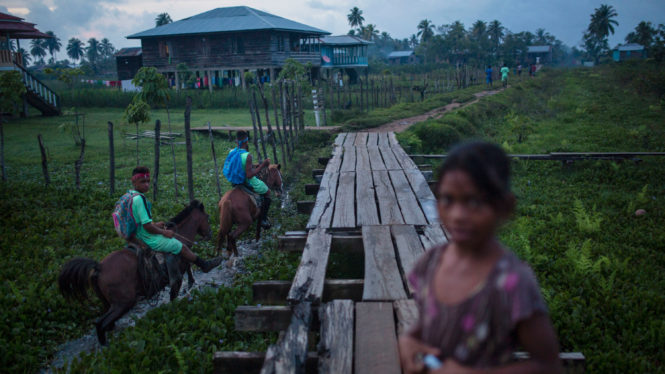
x=600 y=267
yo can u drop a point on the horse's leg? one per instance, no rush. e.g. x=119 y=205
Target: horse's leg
x=190 y=276
x=175 y=275
x=258 y=230
x=240 y=228
x=108 y=320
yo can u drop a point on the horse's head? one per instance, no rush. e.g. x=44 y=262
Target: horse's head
x=193 y=220
x=274 y=179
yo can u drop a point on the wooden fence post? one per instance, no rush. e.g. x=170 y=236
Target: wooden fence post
x=256 y=133
x=47 y=180
x=214 y=158
x=258 y=122
x=155 y=170
x=111 y=159
x=188 y=144
x=271 y=135
x=2 y=151
x=279 y=132
x=175 y=174
x=78 y=163
x=282 y=104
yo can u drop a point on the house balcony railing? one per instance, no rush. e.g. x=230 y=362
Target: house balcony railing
x=9 y=58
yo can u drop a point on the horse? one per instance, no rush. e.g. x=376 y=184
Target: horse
x=116 y=279
x=237 y=207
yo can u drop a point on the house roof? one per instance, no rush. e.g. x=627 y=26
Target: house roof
x=129 y=52
x=631 y=47
x=398 y=54
x=539 y=48
x=16 y=28
x=343 y=40
x=230 y=19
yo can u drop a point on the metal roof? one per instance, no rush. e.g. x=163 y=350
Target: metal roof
x=129 y=52
x=631 y=47
x=343 y=40
x=230 y=19
x=539 y=48
x=397 y=54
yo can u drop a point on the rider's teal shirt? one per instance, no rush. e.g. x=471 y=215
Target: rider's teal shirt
x=257 y=185
x=157 y=242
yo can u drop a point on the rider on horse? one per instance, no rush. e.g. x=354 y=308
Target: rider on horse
x=250 y=181
x=155 y=235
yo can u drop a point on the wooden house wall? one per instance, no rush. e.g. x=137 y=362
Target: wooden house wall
x=209 y=51
x=128 y=66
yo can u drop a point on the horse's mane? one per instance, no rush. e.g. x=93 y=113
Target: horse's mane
x=195 y=204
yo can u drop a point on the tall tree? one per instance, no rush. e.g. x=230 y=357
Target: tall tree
x=600 y=27
x=644 y=34
x=26 y=56
x=106 y=48
x=92 y=51
x=425 y=30
x=496 y=33
x=162 y=19
x=52 y=44
x=37 y=49
x=355 y=17
x=75 y=49
x=370 y=32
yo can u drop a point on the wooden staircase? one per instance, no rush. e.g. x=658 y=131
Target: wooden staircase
x=38 y=94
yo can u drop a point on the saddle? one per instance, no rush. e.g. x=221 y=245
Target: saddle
x=155 y=269
x=253 y=196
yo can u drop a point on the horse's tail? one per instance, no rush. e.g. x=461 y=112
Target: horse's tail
x=225 y=221
x=77 y=276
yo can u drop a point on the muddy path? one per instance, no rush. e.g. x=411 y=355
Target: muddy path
x=404 y=123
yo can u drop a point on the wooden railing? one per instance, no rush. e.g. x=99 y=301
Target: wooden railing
x=35 y=86
x=8 y=58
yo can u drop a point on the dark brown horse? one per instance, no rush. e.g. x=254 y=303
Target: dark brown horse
x=237 y=207
x=116 y=280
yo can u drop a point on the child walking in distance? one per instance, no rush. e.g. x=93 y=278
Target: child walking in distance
x=476 y=300
x=504 y=75
x=155 y=235
x=488 y=76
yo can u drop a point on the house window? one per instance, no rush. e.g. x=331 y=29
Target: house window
x=237 y=45
x=280 y=43
x=164 y=49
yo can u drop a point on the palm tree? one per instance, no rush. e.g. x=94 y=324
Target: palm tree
x=479 y=30
x=26 y=56
x=413 y=41
x=37 y=49
x=92 y=50
x=643 y=35
x=495 y=30
x=355 y=18
x=75 y=49
x=52 y=44
x=425 y=30
x=370 y=32
x=162 y=19
x=603 y=22
x=106 y=48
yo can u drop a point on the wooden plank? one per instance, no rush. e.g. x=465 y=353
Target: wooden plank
x=408 y=204
x=424 y=195
x=345 y=202
x=275 y=292
x=384 y=139
x=311 y=189
x=361 y=139
x=349 y=159
x=389 y=158
x=350 y=138
x=375 y=159
x=340 y=242
x=392 y=139
x=289 y=354
x=335 y=161
x=323 y=161
x=350 y=289
x=262 y=318
x=308 y=281
x=409 y=249
x=225 y=362
x=339 y=139
x=366 y=203
x=270 y=292
x=403 y=158
x=433 y=235
x=407 y=314
x=305 y=207
x=372 y=139
x=375 y=341
x=382 y=279
x=389 y=211
x=325 y=202
x=335 y=347
x=362 y=159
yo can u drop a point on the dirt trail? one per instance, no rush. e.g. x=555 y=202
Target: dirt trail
x=404 y=123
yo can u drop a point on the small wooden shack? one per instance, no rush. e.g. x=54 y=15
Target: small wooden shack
x=402 y=58
x=218 y=46
x=539 y=54
x=631 y=51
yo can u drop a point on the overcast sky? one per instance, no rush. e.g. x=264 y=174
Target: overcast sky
x=115 y=19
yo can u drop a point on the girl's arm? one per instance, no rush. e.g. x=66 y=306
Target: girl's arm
x=154 y=229
x=250 y=171
x=536 y=335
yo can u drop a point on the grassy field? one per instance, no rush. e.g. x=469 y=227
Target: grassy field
x=601 y=268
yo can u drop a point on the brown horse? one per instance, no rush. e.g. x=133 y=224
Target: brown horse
x=116 y=279
x=237 y=207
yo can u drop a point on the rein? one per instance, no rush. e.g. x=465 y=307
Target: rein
x=178 y=236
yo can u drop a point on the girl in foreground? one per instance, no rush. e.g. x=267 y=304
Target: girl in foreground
x=476 y=300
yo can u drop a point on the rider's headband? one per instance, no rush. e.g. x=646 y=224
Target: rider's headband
x=136 y=177
x=241 y=142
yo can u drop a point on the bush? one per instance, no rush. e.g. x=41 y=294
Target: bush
x=437 y=136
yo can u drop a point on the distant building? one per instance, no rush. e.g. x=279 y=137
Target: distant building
x=539 y=54
x=402 y=58
x=218 y=46
x=629 y=52
x=343 y=51
x=128 y=61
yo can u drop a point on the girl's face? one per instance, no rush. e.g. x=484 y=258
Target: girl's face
x=465 y=211
x=142 y=184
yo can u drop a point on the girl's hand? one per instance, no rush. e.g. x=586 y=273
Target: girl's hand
x=411 y=351
x=168 y=233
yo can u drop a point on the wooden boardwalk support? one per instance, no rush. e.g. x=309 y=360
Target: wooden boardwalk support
x=309 y=279
x=289 y=354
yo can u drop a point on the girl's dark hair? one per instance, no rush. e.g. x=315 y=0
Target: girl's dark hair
x=140 y=170
x=487 y=165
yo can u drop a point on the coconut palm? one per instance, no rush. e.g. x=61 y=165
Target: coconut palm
x=413 y=41
x=106 y=49
x=355 y=18
x=496 y=33
x=52 y=44
x=162 y=19
x=26 y=56
x=370 y=32
x=75 y=49
x=603 y=22
x=643 y=35
x=479 y=31
x=92 y=50
x=37 y=49
x=425 y=30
